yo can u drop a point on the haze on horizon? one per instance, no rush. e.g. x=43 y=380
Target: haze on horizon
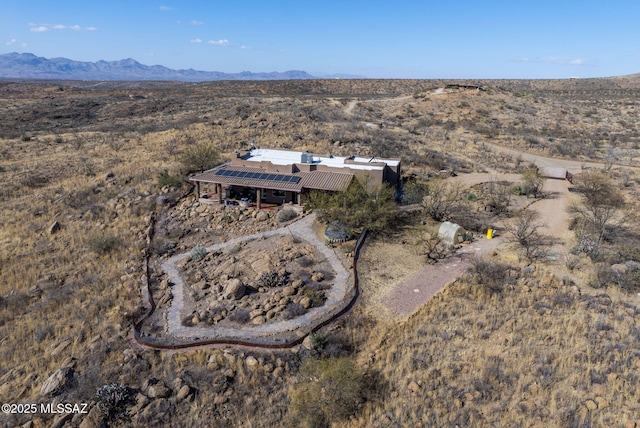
x=423 y=40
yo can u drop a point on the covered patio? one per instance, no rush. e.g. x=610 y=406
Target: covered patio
x=257 y=187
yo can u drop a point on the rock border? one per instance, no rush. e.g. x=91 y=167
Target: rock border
x=282 y=334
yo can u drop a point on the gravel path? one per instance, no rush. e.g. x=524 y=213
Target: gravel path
x=409 y=295
x=340 y=295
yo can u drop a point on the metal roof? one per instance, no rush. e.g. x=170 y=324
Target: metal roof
x=259 y=178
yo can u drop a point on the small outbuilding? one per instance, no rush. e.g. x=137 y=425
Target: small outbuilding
x=451 y=233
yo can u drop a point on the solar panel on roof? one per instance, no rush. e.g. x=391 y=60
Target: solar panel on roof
x=282 y=178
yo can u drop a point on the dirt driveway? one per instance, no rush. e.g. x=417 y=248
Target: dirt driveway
x=406 y=296
x=409 y=295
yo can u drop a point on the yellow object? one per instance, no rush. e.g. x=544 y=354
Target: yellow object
x=489 y=233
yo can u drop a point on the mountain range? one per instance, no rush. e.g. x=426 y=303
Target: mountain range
x=29 y=66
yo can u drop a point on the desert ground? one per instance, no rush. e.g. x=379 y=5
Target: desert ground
x=536 y=327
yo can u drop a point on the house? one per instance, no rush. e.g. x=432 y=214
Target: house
x=275 y=176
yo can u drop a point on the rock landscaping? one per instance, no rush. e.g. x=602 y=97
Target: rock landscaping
x=256 y=282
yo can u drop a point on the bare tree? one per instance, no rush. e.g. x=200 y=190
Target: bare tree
x=609 y=158
x=433 y=248
x=499 y=196
x=441 y=200
x=603 y=206
x=524 y=230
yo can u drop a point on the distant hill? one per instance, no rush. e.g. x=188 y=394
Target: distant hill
x=29 y=66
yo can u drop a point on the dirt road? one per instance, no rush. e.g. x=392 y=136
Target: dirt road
x=407 y=296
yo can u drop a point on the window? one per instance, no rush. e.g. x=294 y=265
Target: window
x=279 y=193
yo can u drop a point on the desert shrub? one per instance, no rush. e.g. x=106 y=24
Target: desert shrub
x=588 y=246
x=305 y=261
x=332 y=391
x=414 y=191
x=161 y=247
x=524 y=230
x=469 y=219
x=494 y=276
x=318 y=340
x=166 y=179
x=442 y=200
x=43 y=333
x=293 y=310
x=603 y=276
x=103 y=243
x=285 y=215
x=200 y=157
x=357 y=207
x=273 y=279
x=315 y=296
x=111 y=400
x=198 y=253
x=240 y=316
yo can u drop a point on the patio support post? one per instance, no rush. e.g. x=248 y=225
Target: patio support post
x=258 y=197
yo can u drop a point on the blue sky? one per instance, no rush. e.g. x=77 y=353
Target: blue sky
x=376 y=39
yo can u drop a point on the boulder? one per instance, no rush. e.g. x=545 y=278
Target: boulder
x=305 y=302
x=256 y=313
x=277 y=372
x=289 y=290
x=159 y=390
x=591 y=405
x=183 y=393
x=57 y=382
x=251 y=362
x=259 y=320
x=413 y=387
x=619 y=268
x=35 y=291
x=234 y=289
x=93 y=419
x=262 y=216
x=55 y=227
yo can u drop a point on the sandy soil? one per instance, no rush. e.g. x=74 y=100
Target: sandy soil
x=397 y=282
x=409 y=295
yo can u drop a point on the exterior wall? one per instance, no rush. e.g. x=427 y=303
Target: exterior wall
x=372 y=178
x=273 y=197
x=265 y=165
x=392 y=176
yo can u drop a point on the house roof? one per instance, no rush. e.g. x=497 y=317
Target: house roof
x=320 y=180
x=290 y=157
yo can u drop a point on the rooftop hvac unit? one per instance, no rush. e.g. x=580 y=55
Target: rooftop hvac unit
x=307 y=158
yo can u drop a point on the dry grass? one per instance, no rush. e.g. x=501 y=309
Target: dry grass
x=89 y=157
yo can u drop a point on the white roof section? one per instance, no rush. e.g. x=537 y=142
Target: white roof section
x=289 y=157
